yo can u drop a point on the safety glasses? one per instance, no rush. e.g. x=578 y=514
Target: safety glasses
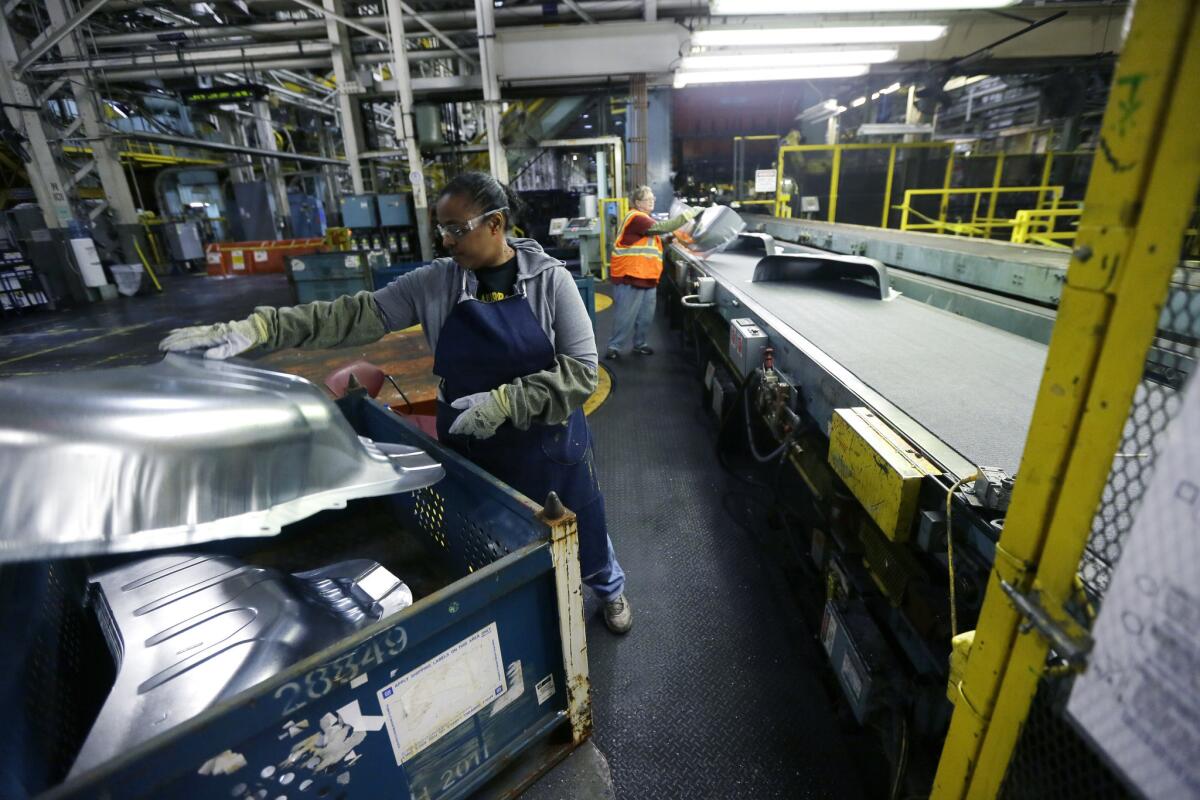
x=456 y=231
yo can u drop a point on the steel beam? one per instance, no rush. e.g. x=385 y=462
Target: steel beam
x=579 y=12
x=406 y=129
x=441 y=37
x=52 y=37
x=49 y=182
x=486 y=28
x=104 y=152
x=271 y=166
x=349 y=114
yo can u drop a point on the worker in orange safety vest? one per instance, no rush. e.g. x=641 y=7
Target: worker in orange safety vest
x=637 y=263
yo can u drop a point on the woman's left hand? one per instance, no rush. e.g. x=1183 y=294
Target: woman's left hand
x=482 y=415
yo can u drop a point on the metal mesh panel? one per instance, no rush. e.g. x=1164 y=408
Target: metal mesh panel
x=1051 y=758
x=1170 y=361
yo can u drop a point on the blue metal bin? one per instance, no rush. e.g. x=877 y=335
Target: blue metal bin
x=514 y=583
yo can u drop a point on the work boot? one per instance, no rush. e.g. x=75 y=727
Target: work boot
x=643 y=350
x=618 y=614
x=612 y=354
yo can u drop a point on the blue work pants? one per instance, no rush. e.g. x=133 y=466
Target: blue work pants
x=634 y=311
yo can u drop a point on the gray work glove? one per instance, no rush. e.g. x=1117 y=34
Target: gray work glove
x=483 y=413
x=220 y=341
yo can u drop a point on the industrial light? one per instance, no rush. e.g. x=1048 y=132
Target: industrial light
x=813 y=58
x=764 y=37
x=858 y=101
x=818 y=112
x=961 y=81
x=745 y=7
x=745 y=75
x=895 y=87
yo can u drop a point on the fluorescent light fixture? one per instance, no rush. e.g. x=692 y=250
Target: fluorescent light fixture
x=840 y=109
x=858 y=101
x=813 y=58
x=863 y=34
x=874 y=95
x=791 y=74
x=895 y=87
x=961 y=81
x=744 y=7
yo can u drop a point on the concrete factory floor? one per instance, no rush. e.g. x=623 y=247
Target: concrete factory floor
x=719 y=690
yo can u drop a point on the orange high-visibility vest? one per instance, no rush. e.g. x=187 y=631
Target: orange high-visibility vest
x=642 y=259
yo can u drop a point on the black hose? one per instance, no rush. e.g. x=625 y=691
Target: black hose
x=774 y=454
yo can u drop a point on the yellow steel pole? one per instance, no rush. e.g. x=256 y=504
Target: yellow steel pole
x=1046 y=168
x=996 y=176
x=904 y=210
x=833 y=181
x=1126 y=249
x=887 y=189
x=945 y=206
x=779 y=183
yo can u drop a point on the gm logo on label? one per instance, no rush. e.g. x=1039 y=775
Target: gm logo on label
x=387 y=693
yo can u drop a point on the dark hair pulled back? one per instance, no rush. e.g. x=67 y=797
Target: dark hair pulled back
x=486 y=193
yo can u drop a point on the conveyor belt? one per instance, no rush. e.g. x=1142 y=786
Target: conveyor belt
x=1036 y=255
x=970 y=385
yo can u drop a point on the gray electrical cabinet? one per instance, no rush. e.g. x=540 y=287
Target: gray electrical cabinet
x=747 y=341
x=394 y=211
x=358 y=211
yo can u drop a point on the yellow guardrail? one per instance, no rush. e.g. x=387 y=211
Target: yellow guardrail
x=1038 y=226
x=976 y=225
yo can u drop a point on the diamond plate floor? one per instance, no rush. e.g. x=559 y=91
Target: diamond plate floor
x=715 y=693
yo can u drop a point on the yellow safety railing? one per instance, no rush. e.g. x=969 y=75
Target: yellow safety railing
x=976 y=225
x=783 y=201
x=1038 y=226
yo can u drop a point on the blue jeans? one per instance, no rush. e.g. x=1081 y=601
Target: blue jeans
x=609 y=582
x=634 y=309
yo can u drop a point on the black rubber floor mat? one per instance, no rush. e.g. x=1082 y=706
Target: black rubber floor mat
x=710 y=695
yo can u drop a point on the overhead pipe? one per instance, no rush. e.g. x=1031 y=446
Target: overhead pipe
x=225 y=147
x=455 y=20
x=226 y=57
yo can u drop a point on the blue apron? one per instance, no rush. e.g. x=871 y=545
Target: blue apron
x=485 y=345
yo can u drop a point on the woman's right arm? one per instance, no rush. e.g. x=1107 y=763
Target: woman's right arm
x=347 y=321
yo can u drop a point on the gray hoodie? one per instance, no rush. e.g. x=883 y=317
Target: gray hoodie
x=428 y=295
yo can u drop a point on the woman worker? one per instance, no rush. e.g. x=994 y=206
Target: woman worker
x=637 y=262
x=513 y=347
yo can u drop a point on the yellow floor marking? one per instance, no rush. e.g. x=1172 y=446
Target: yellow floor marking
x=114 y=332
x=603 y=301
x=603 y=390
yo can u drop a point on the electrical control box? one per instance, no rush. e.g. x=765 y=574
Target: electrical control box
x=358 y=211
x=747 y=341
x=394 y=211
x=859 y=656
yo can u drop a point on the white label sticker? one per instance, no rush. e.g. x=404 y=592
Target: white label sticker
x=545 y=689
x=260 y=255
x=853 y=682
x=764 y=180
x=351 y=262
x=427 y=703
x=297 y=265
x=829 y=630
x=238 y=259
x=214 y=257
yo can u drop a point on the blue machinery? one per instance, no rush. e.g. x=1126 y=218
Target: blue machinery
x=514 y=586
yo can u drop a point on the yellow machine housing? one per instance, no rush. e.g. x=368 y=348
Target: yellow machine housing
x=881 y=469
